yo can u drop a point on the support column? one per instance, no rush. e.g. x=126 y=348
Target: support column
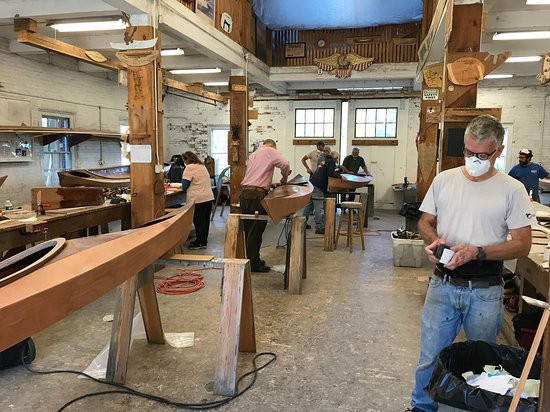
x=238 y=135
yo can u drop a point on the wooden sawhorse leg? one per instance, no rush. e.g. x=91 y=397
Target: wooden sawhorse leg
x=330 y=217
x=297 y=246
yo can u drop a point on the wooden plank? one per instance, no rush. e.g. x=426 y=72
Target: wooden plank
x=364 y=199
x=184 y=256
x=121 y=331
x=312 y=142
x=57 y=133
x=60 y=197
x=47 y=43
x=237 y=139
x=296 y=254
x=149 y=306
x=228 y=336
x=231 y=237
x=247 y=335
x=194 y=90
x=330 y=216
x=374 y=142
x=466 y=114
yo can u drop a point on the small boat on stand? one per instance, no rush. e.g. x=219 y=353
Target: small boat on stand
x=347 y=182
x=287 y=199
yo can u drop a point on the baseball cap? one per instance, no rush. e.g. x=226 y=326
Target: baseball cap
x=525 y=152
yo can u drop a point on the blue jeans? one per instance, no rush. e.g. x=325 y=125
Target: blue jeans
x=317 y=203
x=446 y=308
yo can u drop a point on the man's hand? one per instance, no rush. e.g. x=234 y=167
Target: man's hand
x=463 y=254
x=309 y=171
x=284 y=179
x=430 y=250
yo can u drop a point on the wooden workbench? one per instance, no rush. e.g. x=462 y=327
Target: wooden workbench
x=66 y=222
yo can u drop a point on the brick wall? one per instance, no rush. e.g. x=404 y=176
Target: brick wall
x=39 y=87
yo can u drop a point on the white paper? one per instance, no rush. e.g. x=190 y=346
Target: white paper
x=140 y=153
x=180 y=340
x=446 y=256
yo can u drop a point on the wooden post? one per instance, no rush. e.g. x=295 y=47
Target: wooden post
x=147 y=189
x=330 y=216
x=364 y=199
x=121 y=331
x=228 y=344
x=296 y=255
x=544 y=396
x=235 y=248
x=238 y=135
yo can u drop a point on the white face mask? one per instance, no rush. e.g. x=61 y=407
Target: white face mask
x=476 y=167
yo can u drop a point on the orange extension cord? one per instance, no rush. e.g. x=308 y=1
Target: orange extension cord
x=182 y=283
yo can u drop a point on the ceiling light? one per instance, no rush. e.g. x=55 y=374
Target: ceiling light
x=196 y=71
x=216 y=84
x=498 y=76
x=534 y=2
x=172 y=52
x=371 y=89
x=523 y=59
x=89 y=26
x=522 y=35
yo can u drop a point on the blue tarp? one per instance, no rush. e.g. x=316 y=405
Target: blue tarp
x=334 y=14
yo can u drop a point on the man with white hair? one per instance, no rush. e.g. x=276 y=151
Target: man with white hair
x=351 y=164
x=472 y=209
x=528 y=173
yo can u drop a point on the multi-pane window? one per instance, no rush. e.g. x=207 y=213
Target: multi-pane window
x=218 y=147
x=376 y=122
x=314 y=123
x=57 y=155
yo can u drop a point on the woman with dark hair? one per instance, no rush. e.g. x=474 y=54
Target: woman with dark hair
x=176 y=169
x=196 y=182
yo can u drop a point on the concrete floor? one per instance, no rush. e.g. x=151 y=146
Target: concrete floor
x=348 y=343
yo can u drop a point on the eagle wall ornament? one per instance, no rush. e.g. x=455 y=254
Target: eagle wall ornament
x=341 y=65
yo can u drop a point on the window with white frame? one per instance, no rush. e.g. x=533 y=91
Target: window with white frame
x=57 y=155
x=314 y=123
x=218 y=147
x=380 y=122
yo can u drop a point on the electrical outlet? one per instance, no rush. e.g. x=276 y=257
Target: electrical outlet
x=158 y=169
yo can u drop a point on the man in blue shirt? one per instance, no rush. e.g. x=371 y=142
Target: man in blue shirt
x=528 y=173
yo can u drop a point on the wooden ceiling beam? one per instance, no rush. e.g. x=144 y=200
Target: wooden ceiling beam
x=194 y=89
x=26 y=35
x=49 y=44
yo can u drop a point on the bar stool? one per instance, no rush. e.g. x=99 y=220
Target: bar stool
x=351 y=207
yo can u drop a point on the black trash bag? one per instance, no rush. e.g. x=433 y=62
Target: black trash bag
x=12 y=356
x=447 y=386
x=411 y=210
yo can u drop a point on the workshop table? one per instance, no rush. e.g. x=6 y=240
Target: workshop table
x=71 y=222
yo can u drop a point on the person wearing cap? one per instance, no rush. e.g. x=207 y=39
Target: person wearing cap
x=257 y=181
x=528 y=173
x=351 y=165
x=312 y=157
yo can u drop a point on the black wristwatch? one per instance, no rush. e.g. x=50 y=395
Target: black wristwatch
x=480 y=253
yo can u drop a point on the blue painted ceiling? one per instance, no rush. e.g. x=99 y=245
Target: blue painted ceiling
x=335 y=14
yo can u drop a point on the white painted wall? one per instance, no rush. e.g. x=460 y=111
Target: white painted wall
x=34 y=88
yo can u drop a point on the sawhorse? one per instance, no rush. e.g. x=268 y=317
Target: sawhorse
x=235 y=246
x=236 y=330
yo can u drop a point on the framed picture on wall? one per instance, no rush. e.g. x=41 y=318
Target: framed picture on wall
x=206 y=9
x=295 y=50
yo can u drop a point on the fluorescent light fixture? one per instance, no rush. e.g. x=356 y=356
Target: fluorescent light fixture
x=535 y=2
x=522 y=35
x=523 y=59
x=498 y=76
x=216 y=83
x=172 y=52
x=196 y=71
x=89 y=26
x=371 y=89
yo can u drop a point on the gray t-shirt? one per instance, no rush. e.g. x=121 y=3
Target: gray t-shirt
x=476 y=213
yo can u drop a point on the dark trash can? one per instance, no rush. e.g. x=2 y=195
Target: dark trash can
x=447 y=386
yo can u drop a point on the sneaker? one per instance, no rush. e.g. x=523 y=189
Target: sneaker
x=262 y=269
x=196 y=246
x=319 y=232
x=413 y=410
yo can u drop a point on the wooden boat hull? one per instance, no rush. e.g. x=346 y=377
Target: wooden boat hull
x=3 y=179
x=347 y=182
x=84 y=270
x=286 y=200
x=60 y=197
x=115 y=176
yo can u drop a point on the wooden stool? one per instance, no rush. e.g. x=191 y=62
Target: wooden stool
x=351 y=207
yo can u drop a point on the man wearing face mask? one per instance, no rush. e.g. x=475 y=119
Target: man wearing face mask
x=471 y=209
x=528 y=173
